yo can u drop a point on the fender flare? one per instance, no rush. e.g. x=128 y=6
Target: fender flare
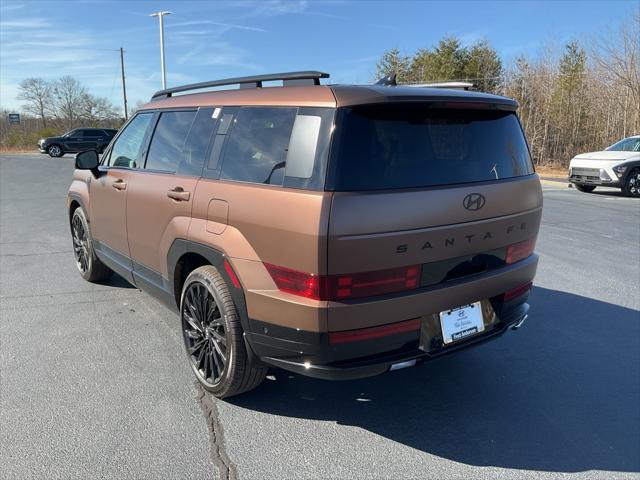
x=630 y=166
x=215 y=257
x=73 y=196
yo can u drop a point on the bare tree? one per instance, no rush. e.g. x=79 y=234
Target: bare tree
x=69 y=96
x=95 y=110
x=57 y=106
x=618 y=52
x=136 y=107
x=37 y=95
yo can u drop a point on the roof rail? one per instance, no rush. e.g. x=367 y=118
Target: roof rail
x=462 y=85
x=310 y=77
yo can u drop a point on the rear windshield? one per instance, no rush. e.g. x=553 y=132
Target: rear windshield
x=406 y=146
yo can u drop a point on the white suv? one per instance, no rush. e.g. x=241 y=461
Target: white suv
x=616 y=166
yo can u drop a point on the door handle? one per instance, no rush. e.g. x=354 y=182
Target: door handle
x=179 y=194
x=119 y=184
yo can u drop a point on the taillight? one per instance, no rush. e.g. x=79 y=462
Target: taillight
x=342 y=287
x=516 y=292
x=368 y=284
x=304 y=284
x=519 y=251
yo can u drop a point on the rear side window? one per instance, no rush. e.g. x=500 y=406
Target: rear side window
x=127 y=148
x=168 y=139
x=386 y=147
x=257 y=148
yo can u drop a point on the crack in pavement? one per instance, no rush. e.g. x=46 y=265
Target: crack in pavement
x=52 y=294
x=70 y=304
x=33 y=254
x=216 y=436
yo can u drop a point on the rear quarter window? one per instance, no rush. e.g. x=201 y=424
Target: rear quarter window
x=408 y=146
x=257 y=148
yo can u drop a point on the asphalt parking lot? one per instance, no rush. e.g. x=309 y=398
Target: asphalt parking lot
x=94 y=383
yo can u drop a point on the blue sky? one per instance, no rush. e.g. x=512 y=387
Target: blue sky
x=217 y=39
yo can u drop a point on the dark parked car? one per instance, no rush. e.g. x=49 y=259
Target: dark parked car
x=77 y=140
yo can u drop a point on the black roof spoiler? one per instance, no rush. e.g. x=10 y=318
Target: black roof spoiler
x=310 y=77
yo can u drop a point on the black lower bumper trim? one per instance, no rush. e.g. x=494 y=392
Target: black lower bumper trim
x=363 y=368
x=595 y=183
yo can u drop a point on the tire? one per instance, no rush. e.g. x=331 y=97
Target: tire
x=631 y=186
x=89 y=265
x=55 y=151
x=213 y=336
x=585 y=188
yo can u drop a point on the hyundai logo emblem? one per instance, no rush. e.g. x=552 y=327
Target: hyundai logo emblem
x=473 y=201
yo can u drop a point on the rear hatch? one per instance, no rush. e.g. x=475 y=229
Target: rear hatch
x=425 y=194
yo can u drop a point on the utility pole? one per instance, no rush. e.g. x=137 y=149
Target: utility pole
x=160 y=16
x=124 y=86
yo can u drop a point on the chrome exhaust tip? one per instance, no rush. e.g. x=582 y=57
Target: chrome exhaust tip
x=400 y=365
x=519 y=323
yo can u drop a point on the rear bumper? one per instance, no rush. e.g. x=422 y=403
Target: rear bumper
x=312 y=353
x=376 y=365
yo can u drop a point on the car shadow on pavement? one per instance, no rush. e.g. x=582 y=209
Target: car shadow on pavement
x=561 y=394
x=116 y=281
x=607 y=193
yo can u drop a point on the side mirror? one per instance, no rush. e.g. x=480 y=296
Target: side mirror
x=87 y=160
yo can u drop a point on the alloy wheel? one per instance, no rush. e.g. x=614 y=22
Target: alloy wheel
x=54 y=150
x=204 y=333
x=634 y=183
x=80 y=244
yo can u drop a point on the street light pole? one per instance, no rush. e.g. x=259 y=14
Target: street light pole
x=160 y=16
x=124 y=86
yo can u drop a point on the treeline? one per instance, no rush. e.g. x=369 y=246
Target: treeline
x=447 y=61
x=582 y=99
x=53 y=107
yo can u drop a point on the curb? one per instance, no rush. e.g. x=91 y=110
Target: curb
x=556 y=181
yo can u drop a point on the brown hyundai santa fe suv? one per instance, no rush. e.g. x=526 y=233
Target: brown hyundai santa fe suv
x=335 y=231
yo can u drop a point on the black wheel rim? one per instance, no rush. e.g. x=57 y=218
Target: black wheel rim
x=204 y=333
x=634 y=184
x=80 y=244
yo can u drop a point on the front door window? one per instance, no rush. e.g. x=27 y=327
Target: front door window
x=127 y=148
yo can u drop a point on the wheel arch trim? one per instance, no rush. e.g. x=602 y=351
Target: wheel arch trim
x=632 y=165
x=77 y=198
x=180 y=248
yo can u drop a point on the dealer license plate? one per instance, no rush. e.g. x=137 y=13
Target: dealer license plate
x=461 y=322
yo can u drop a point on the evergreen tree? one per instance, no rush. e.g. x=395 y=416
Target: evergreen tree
x=443 y=63
x=483 y=67
x=569 y=99
x=393 y=62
